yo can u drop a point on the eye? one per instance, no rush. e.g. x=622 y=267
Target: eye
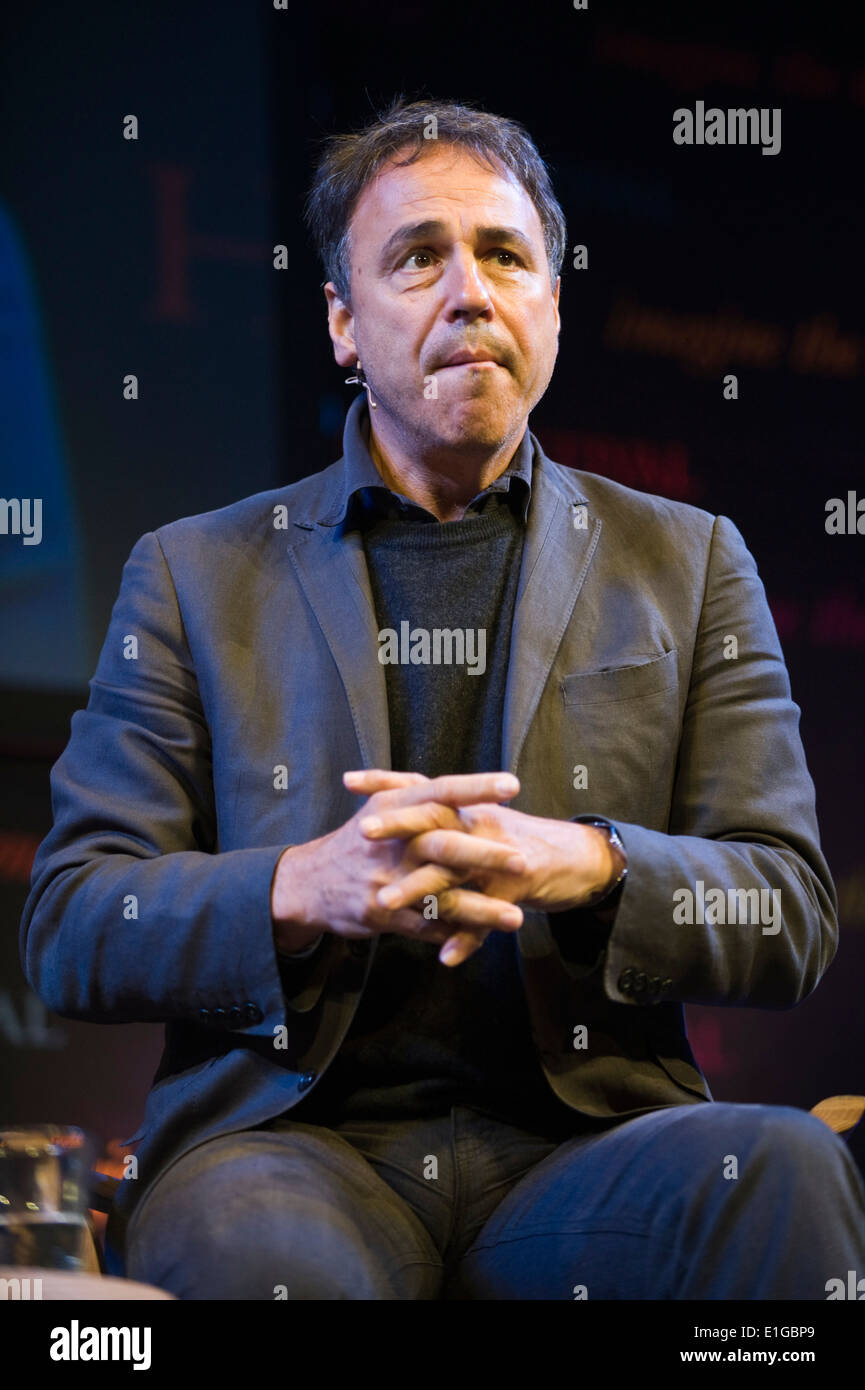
x=412 y=254
x=426 y=252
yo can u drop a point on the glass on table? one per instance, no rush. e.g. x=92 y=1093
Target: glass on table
x=44 y=1195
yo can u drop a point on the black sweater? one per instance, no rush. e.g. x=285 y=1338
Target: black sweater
x=427 y=1036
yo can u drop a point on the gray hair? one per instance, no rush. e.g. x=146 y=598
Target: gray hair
x=350 y=162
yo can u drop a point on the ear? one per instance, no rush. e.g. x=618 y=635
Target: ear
x=340 y=324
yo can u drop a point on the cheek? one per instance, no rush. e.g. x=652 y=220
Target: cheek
x=538 y=334
x=540 y=358
x=397 y=343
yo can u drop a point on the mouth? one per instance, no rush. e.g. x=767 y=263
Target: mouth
x=464 y=359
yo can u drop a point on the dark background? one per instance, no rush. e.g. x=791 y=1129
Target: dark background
x=154 y=257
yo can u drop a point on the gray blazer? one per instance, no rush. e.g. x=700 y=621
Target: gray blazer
x=239 y=679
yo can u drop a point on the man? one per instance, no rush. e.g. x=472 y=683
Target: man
x=446 y=693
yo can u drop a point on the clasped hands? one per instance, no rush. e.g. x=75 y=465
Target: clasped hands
x=452 y=837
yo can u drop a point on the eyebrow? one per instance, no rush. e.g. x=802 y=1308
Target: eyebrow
x=407 y=236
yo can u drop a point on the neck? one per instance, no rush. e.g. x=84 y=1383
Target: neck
x=441 y=479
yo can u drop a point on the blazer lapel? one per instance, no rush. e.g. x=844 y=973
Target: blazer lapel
x=332 y=570
x=556 y=558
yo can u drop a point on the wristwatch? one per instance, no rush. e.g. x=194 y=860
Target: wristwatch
x=616 y=844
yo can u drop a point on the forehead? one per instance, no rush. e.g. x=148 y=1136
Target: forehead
x=447 y=182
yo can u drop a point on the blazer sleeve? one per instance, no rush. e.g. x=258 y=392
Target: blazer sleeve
x=133 y=915
x=743 y=817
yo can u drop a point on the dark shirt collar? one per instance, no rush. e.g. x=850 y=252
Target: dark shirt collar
x=365 y=495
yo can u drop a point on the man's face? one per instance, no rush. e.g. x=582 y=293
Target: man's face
x=448 y=256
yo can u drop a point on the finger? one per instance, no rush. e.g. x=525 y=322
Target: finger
x=461 y=905
x=405 y=920
x=410 y=922
x=407 y=821
x=453 y=844
x=440 y=933
x=461 y=789
x=460 y=946
x=433 y=932
x=375 y=779
x=466 y=855
x=413 y=887
x=464 y=908
x=427 y=881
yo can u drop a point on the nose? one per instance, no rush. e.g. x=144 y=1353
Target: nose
x=467 y=295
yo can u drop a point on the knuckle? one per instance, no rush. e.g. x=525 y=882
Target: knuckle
x=443 y=786
x=372 y=914
x=437 y=843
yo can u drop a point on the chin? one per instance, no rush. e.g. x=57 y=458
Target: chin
x=474 y=435
x=477 y=426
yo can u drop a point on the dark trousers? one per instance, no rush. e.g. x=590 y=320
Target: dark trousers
x=710 y=1201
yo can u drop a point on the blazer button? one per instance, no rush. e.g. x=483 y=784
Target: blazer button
x=234 y=1017
x=306 y=1080
x=626 y=980
x=252 y=1013
x=218 y=1017
x=640 y=982
x=654 y=984
x=204 y=1015
x=665 y=984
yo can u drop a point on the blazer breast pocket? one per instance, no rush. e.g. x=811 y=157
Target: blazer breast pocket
x=617 y=683
x=621 y=726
